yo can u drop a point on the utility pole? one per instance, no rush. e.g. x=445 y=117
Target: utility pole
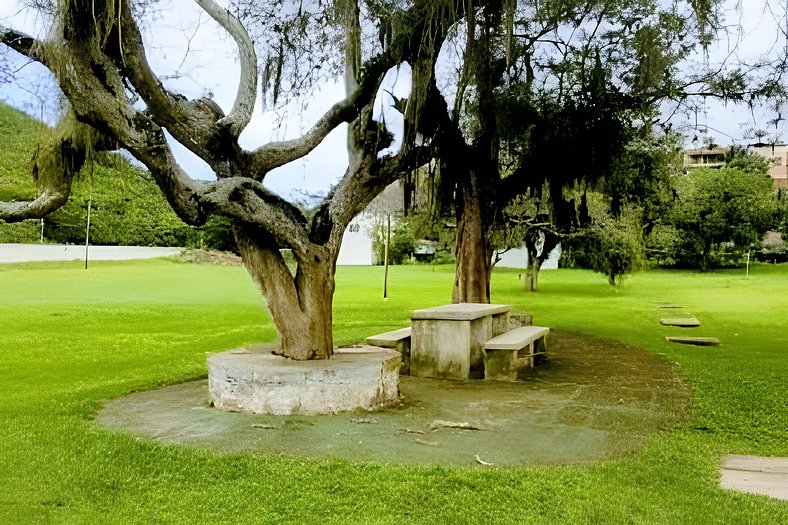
x=87 y=225
x=386 y=256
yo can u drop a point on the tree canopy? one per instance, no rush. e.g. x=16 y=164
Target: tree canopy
x=734 y=205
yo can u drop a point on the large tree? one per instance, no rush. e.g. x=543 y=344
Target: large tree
x=96 y=53
x=734 y=205
x=548 y=92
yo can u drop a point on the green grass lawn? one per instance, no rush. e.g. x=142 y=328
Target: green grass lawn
x=72 y=339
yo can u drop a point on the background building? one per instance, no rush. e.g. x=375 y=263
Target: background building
x=775 y=154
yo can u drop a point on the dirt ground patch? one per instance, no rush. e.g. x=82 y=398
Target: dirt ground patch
x=592 y=399
x=211 y=257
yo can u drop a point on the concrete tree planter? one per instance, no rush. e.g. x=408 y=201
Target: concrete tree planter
x=255 y=381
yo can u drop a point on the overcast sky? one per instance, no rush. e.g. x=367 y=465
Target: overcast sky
x=210 y=66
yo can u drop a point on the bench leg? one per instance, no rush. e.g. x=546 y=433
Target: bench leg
x=404 y=349
x=500 y=365
x=541 y=348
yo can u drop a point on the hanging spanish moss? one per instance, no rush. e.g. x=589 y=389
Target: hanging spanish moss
x=63 y=152
x=89 y=21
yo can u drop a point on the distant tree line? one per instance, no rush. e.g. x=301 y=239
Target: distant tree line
x=650 y=211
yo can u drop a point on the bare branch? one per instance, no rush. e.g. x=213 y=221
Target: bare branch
x=275 y=154
x=243 y=107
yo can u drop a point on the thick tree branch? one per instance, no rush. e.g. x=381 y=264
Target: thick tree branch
x=243 y=107
x=142 y=77
x=192 y=123
x=152 y=149
x=21 y=43
x=275 y=154
x=421 y=37
x=59 y=157
x=247 y=201
x=367 y=176
x=50 y=200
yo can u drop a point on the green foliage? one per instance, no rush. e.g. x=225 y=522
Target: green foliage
x=526 y=216
x=62 y=152
x=718 y=213
x=19 y=136
x=782 y=212
x=127 y=209
x=24 y=232
x=217 y=234
x=642 y=174
x=74 y=339
x=739 y=158
x=730 y=85
x=611 y=245
x=773 y=253
x=441 y=230
x=401 y=241
x=656 y=56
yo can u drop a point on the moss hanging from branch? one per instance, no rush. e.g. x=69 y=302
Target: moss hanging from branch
x=90 y=21
x=706 y=18
x=61 y=155
x=509 y=11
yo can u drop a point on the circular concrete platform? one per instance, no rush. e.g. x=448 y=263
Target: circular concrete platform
x=593 y=399
x=255 y=381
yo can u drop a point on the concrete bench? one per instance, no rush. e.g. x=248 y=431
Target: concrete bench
x=504 y=354
x=399 y=340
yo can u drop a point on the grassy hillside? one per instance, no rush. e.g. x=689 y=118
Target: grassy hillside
x=128 y=208
x=19 y=135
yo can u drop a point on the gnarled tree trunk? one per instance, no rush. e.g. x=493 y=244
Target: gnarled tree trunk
x=473 y=251
x=300 y=304
x=536 y=258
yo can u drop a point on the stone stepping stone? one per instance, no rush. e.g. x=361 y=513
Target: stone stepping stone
x=686 y=322
x=669 y=305
x=756 y=475
x=698 y=341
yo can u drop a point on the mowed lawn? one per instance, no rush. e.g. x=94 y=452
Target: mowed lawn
x=72 y=339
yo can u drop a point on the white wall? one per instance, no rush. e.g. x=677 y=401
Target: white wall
x=518 y=258
x=356 y=249
x=515 y=258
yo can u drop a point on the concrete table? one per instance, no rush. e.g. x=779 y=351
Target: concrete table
x=447 y=342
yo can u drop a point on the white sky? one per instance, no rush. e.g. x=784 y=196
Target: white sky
x=211 y=67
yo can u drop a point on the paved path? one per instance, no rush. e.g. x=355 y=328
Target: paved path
x=564 y=411
x=16 y=253
x=757 y=475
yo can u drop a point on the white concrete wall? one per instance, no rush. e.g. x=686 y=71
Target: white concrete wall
x=518 y=258
x=356 y=249
x=10 y=253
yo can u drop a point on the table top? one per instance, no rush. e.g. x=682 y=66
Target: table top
x=460 y=311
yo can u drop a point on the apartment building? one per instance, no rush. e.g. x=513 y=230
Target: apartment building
x=775 y=154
